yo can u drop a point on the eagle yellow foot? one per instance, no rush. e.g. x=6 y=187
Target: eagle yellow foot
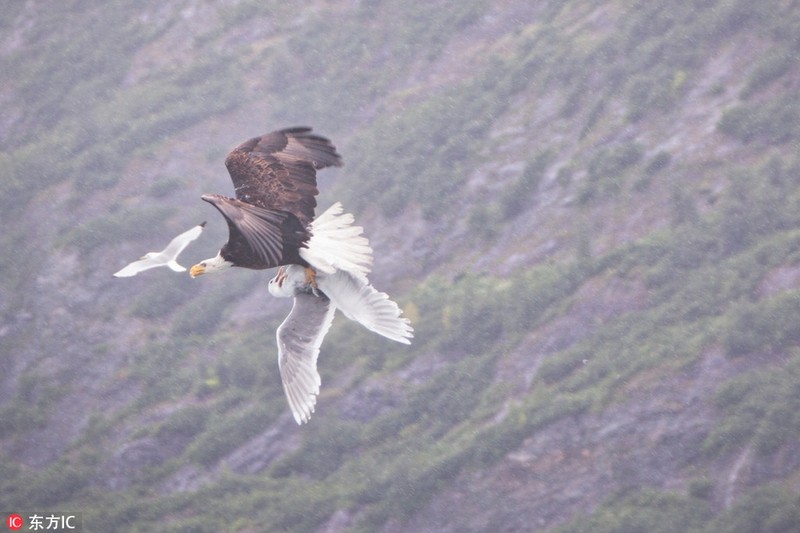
x=311 y=278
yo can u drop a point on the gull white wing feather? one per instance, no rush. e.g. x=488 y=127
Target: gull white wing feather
x=179 y=243
x=335 y=244
x=299 y=339
x=167 y=257
x=361 y=302
x=301 y=333
x=135 y=267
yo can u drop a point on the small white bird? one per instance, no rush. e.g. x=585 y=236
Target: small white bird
x=301 y=333
x=166 y=257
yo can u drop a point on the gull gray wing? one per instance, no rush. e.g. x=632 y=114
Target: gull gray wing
x=361 y=302
x=299 y=338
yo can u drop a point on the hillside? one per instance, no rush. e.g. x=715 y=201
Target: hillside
x=589 y=210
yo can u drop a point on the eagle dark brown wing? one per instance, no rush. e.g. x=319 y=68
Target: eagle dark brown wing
x=278 y=170
x=258 y=237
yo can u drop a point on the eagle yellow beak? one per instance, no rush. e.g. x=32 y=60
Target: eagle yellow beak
x=197 y=270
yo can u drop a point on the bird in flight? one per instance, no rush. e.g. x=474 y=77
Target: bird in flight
x=270 y=219
x=324 y=260
x=166 y=257
x=301 y=333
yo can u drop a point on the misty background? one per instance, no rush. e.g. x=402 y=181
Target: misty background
x=589 y=210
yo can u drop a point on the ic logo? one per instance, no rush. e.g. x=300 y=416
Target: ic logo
x=14 y=522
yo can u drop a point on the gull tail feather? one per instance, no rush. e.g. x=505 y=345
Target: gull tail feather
x=336 y=244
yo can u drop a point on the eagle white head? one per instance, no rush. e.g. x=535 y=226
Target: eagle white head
x=209 y=266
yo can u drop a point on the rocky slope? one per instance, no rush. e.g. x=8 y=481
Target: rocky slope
x=588 y=210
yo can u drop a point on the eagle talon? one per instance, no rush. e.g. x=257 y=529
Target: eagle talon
x=281 y=276
x=311 y=279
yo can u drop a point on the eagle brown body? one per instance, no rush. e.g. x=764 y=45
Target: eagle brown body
x=275 y=181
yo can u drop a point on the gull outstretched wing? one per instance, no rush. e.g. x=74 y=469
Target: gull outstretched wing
x=299 y=338
x=362 y=302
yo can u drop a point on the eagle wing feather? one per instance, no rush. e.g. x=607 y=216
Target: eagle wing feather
x=278 y=170
x=259 y=227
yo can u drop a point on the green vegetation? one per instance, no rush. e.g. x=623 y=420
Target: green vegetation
x=343 y=57
x=224 y=435
x=516 y=197
x=114 y=226
x=606 y=171
x=773 y=121
x=770 y=508
x=760 y=407
x=768 y=69
x=649 y=510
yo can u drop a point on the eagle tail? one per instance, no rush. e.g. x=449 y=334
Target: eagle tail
x=335 y=244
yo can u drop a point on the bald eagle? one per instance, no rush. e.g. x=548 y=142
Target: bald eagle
x=167 y=257
x=270 y=220
x=325 y=260
x=300 y=335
